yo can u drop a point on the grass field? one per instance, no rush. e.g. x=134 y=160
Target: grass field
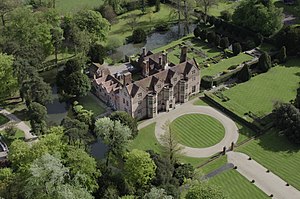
x=221 y=6
x=146 y=140
x=91 y=103
x=260 y=93
x=277 y=154
x=225 y=64
x=71 y=6
x=147 y=22
x=3 y=120
x=236 y=186
x=197 y=130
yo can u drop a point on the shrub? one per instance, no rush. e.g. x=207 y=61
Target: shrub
x=226 y=15
x=211 y=36
x=282 y=55
x=139 y=35
x=250 y=44
x=264 y=62
x=236 y=48
x=163 y=26
x=224 y=43
x=203 y=35
x=244 y=74
x=217 y=40
x=197 y=32
x=207 y=82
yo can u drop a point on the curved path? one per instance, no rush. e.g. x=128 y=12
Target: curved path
x=266 y=181
x=231 y=130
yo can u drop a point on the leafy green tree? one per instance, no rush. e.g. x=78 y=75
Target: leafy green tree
x=203 y=191
x=157 y=5
x=19 y=154
x=35 y=89
x=183 y=171
x=157 y=193
x=139 y=35
x=289 y=37
x=226 y=15
x=97 y=53
x=93 y=23
x=282 y=55
x=6 y=179
x=6 y=6
x=126 y=120
x=37 y=115
x=57 y=37
x=115 y=4
x=79 y=162
x=75 y=132
x=77 y=84
x=264 y=62
x=139 y=168
x=287 y=119
x=49 y=179
x=114 y=135
x=244 y=74
x=203 y=34
x=236 y=48
x=82 y=114
x=265 y=19
x=8 y=82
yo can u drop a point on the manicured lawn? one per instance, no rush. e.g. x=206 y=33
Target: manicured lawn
x=9 y=139
x=90 y=102
x=260 y=93
x=147 y=22
x=223 y=5
x=66 y=6
x=3 y=120
x=200 y=102
x=197 y=130
x=213 y=165
x=236 y=186
x=225 y=64
x=146 y=140
x=277 y=154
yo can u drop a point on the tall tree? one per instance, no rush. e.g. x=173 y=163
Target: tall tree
x=297 y=100
x=127 y=120
x=170 y=144
x=157 y=194
x=259 y=17
x=244 y=74
x=139 y=168
x=49 y=178
x=37 y=115
x=93 y=23
x=57 y=37
x=114 y=134
x=206 y=5
x=6 y=6
x=77 y=84
x=8 y=82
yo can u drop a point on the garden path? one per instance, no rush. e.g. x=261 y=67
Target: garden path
x=19 y=124
x=268 y=182
x=231 y=130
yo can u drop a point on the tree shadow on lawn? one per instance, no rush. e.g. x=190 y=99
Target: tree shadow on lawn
x=277 y=142
x=293 y=62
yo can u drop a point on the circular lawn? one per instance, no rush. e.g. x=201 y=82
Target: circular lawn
x=197 y=130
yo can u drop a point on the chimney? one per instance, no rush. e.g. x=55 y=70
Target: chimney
x=160 y=61
x=183 y=55
x=145 y=68
x=164 y=60
x=127 y=78
x=144 y=51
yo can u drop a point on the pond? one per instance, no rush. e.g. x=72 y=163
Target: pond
x=57 y=111
x=154 y=40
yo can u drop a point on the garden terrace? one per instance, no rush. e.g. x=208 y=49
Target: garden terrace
x=255 y=98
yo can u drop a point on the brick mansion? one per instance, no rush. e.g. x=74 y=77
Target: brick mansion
x=162 y=84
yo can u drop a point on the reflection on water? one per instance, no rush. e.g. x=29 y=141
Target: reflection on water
x=155 y=40
x=98 y=149
x=56 y=110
